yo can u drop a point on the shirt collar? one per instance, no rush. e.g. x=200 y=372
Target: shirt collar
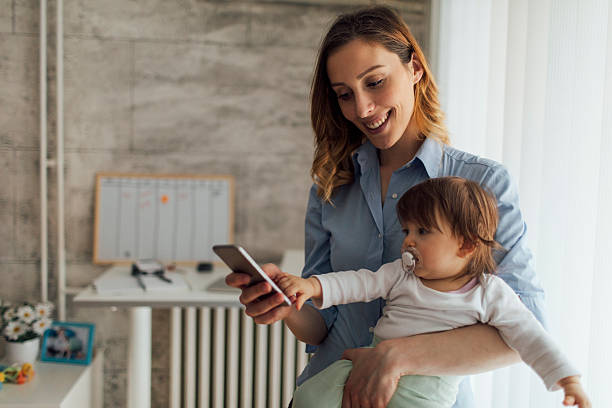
x=365 y=157
x=430 y=154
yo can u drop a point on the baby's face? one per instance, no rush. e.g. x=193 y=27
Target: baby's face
x=436 y=253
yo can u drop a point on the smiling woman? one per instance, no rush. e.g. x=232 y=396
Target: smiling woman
x=378 y=98
x=375 y=74
x=378 y=132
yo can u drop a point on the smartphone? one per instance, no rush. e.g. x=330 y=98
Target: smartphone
x=239 y=260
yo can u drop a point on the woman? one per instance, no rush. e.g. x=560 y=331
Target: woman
x=379 y=131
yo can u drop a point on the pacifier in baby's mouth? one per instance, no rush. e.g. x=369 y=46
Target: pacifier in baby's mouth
x=410 y=256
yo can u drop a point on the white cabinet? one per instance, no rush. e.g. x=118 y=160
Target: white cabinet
x=57 y=385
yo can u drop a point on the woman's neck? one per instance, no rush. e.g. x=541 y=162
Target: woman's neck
x=401 y=152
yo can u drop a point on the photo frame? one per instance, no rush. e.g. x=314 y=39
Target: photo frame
x=68 y=342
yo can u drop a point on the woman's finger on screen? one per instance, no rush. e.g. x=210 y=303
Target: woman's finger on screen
x=237 y=280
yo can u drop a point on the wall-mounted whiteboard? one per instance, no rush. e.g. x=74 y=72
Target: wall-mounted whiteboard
x=166 y=217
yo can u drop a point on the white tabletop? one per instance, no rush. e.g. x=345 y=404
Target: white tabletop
x=197 y=295
x=51 y=384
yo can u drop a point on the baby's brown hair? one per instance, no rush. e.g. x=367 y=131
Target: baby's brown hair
x=469 y=210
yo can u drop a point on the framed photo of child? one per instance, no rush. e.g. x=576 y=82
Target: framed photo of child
x=68 y=342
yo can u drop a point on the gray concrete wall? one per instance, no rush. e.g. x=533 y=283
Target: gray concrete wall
x=158 y=86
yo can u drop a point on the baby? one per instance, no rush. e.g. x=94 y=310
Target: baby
x=443 y=280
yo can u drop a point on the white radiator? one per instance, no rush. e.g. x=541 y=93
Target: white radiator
x=220 y=358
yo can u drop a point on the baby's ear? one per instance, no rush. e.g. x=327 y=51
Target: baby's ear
x=467 y=248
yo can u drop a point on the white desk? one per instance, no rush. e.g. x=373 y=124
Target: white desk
x=196 y=296
x=140 y=304
x=57 y=385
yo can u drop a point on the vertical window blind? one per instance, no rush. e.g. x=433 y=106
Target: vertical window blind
x=529 y=83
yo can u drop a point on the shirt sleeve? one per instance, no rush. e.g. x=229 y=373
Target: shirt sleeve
x=317 y=250
x=515 y=262
x=523 y=333
x=363 y=285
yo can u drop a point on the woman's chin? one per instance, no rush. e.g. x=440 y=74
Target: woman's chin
x=382 y=142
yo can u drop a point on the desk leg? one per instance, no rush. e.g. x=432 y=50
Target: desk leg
x=139 y=358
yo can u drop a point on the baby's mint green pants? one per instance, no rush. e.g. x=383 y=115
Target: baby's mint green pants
x=325 y=389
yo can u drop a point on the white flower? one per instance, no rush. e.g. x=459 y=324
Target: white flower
x=14 y=329
x=43 y=310
x=9 y=314
x=26 y=313
x=41 y=325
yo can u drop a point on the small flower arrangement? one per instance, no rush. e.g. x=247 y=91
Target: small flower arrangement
x=25 y=321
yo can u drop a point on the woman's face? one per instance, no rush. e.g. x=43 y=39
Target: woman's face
x=375 y=90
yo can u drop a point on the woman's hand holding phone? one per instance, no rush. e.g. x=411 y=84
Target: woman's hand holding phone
x=263 y=309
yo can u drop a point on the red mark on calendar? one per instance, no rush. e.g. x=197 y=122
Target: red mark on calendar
x=164 y=199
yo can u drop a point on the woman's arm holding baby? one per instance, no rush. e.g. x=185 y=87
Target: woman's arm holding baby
x=467 y=350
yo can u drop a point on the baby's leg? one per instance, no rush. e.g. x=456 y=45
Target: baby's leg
x=324 y=390
x=416 y=391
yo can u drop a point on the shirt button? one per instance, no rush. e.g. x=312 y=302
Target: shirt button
x=394 y=195
x=379 y=235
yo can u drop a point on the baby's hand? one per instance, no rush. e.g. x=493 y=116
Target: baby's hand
x=574 y=394
x=299 y=290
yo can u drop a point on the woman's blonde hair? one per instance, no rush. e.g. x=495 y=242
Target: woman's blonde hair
x=336 y=138
x=468 y=209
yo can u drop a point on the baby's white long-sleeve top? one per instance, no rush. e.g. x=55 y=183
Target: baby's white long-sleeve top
x=413 y=308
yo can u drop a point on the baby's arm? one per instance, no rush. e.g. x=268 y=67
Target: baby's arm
x=337 y=288
x=574 y=393
x=521 y=331
x=299 y=290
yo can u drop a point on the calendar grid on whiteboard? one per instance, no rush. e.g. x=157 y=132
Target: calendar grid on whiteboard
x=167 y=217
